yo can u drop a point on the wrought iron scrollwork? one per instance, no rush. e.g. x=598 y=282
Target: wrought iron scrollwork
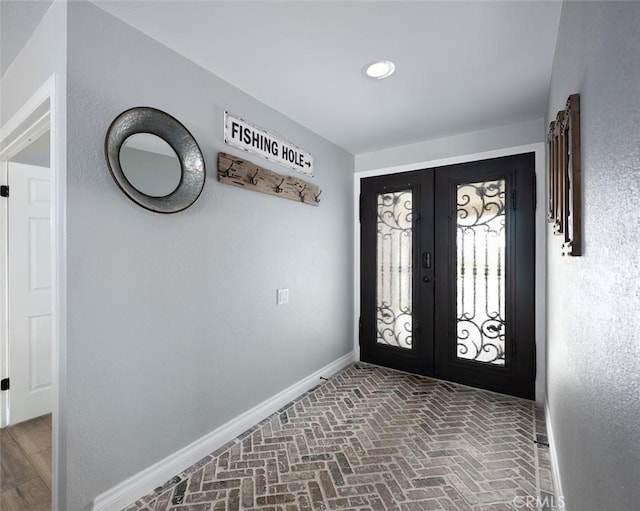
x=394 y=269
x=395 y=212
x=480 y=238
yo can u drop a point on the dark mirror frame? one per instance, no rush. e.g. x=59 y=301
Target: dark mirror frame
x=154 y=121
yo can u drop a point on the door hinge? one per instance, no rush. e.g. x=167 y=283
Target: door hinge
x=4 y=384
x=360 y=209
x=513 y=199
x=4 y=191
x=535 y=192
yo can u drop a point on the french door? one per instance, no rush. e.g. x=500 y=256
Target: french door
x=447 y=273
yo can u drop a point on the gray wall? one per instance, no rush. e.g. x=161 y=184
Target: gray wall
x=173 y=328
x=42 y=55
x=18 y=20
x=490 y=139
x=593 y=381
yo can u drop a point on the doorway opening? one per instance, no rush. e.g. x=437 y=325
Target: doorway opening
x=30 y=300
x=448 y=273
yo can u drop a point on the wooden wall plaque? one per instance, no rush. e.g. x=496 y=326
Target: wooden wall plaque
x=244 y=174
x=564 y=204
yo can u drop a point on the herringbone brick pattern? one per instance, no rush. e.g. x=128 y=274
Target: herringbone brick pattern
x=374 y=439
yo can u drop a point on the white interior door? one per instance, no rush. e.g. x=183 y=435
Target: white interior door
x=29 y=292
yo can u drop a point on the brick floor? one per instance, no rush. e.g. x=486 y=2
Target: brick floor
x=376 y=439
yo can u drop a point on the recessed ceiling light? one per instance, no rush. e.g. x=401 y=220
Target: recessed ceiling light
x=380 y=69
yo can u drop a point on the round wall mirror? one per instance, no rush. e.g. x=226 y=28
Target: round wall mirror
x=150 y=164
x=154 y=160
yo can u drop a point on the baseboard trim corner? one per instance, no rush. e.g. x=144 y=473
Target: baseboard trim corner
x=144 y=482
x=553 y=456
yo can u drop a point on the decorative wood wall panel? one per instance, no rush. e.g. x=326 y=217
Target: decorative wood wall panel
x=238 y=172
x=564 y=177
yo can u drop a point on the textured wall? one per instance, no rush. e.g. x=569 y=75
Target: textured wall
x=593 y=380
x=173 y=328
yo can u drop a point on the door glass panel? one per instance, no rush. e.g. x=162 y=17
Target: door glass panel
x=480 y=248
x=394 y=269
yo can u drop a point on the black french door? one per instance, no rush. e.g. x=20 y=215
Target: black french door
x=447 y=273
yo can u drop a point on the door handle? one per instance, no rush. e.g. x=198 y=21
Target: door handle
x=426 y=278
x=426 y=260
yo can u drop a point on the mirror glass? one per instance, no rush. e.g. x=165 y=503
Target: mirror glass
x=150 y=164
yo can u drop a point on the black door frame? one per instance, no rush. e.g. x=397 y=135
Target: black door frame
x=517 y=377
x=419 y=360
x=435 y=358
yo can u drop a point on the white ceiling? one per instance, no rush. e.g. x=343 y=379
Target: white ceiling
x=461 y=66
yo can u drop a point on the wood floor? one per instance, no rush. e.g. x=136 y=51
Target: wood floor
x=25 y=463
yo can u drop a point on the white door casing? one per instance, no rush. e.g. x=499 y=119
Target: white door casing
x=29 y=292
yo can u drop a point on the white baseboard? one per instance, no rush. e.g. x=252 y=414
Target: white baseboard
x=553 y=455
x=156 y=475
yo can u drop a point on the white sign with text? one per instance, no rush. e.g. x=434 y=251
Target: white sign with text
x=244 y=135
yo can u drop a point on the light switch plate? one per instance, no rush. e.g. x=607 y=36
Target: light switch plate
x=283 y=296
